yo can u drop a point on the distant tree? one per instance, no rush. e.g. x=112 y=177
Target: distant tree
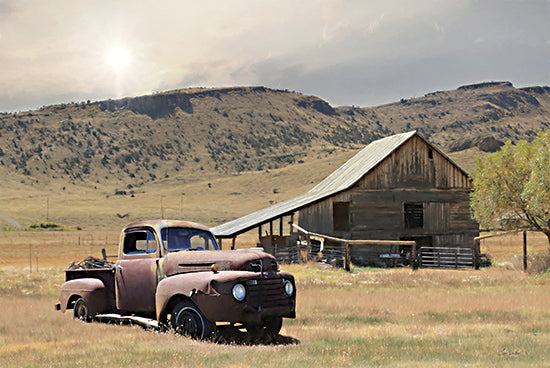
x=512 y=187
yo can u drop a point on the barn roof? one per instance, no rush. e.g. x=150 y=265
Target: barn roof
x=343 y=178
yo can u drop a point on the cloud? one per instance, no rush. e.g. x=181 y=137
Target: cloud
x=347 y=51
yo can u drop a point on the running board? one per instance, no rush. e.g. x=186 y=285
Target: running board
x=142 y=321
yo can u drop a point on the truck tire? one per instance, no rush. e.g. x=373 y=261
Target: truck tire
x=273 y=326
x=269 y=329
x=80 y=310
x=187 y=320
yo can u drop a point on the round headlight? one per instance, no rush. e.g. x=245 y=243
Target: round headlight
x=239 y=292
x=289 y=288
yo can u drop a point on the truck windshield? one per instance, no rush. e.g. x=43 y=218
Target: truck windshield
x=176 y=238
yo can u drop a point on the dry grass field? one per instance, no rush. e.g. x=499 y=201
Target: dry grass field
x=494 y=317
x=96 y=207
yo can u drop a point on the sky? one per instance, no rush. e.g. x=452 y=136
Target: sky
x=347 y=52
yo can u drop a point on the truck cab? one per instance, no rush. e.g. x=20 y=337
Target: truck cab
x=174 y=272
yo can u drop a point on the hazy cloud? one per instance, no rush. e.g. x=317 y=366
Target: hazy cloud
x=346 y=51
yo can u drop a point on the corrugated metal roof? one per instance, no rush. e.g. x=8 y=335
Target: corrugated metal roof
x=341 y=179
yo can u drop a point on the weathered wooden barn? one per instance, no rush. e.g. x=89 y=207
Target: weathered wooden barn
x=397 y=188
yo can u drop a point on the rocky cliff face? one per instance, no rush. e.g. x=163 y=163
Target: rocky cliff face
x=154 y=106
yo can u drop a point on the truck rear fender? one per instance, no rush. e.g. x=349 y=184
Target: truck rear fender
x=90 y=289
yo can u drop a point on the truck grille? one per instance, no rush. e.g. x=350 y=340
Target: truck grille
x=268 y=292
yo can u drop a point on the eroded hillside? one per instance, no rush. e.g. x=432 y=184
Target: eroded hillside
x=185 y=133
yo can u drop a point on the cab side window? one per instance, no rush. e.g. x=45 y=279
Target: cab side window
x=140 y=242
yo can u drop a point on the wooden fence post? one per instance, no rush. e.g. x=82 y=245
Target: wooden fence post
x=477 y=253
x=414 y=261
x=347 y=260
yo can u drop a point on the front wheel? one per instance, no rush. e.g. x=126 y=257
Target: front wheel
x=273 y=326
x=80 y=310
x=269 y=329
x=187 y=320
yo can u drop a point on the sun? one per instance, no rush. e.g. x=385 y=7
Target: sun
x=118 y=58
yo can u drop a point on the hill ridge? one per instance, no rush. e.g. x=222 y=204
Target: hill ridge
x=185 y=133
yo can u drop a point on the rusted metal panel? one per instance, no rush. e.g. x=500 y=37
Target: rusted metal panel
x=84 y=280
x=91 y=289
x=136 y=283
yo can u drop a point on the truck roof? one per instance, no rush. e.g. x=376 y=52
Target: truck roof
x=158 y=224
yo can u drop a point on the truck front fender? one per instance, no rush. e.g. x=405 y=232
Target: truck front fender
x=195 y=286
x=90 y=289
x=185 y=285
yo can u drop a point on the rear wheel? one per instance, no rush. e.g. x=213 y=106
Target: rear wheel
x=80 y=310
x=187 y=320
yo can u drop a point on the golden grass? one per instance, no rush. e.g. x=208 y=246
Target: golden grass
x=496 y=316
x=93 y=206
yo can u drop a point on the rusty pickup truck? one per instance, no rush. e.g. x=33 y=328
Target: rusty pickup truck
x=174 y=274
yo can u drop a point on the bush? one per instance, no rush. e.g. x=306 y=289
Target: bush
x=46 y=226
x=538 y=263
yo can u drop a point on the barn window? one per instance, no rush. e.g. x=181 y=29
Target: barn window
x=414 y=215
x=430 y=154
x=340 y=216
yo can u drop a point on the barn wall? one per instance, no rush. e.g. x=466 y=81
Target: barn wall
x=379 y=214
x=318 y=216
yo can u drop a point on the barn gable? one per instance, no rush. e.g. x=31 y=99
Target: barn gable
x=415 y=164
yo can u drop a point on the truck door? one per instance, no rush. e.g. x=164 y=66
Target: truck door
x=136 y=272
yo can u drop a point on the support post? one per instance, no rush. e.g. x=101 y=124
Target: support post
x=233 y=243
x=525 y=251
x=477 y=253
x=281 y=226
x=220 y=242
x=414 y=261
x=347 y=259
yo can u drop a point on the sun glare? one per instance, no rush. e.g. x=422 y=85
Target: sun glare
x=118 y=58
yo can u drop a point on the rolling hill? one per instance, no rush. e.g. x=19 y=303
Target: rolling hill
x=165 y=144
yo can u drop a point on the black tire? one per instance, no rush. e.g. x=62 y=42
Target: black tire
x=186 y=319
x=80 y=310
x=254 y=333
x=273 y=326
x=269 y=329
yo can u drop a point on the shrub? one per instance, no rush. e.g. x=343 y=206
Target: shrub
x=538 y=263
x=46 y=226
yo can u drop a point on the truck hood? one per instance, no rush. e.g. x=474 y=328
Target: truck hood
x=186 y=261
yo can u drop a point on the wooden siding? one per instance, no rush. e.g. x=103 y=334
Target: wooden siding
x=378 y=214
x=317 y=217
x=410 y=166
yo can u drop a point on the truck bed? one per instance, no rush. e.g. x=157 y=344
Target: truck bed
x=105 y=274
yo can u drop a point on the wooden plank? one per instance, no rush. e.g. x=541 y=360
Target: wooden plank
x=357 y=242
